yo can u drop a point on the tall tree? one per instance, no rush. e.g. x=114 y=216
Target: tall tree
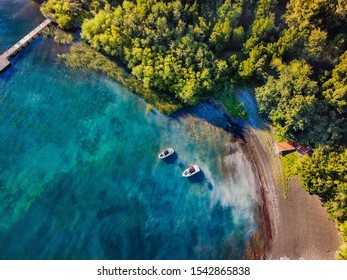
x=335 y=89
x=63 y=12
x=289 y=100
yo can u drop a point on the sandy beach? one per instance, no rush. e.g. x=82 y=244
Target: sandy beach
x=294 y=224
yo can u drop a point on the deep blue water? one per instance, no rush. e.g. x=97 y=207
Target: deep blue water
x=79 y=174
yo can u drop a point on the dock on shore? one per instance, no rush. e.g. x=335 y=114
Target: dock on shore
x=4 y=58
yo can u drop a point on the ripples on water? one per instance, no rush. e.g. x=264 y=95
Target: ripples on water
x=79 y=174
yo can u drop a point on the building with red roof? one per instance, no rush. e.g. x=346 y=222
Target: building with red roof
x=285 y=147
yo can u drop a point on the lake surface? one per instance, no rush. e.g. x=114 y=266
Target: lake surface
x=79 y=173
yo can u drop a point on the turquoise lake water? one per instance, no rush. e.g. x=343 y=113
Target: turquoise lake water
x=79 y=174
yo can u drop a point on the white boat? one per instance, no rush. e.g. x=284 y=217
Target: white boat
x=191 y=170
x=166 y=153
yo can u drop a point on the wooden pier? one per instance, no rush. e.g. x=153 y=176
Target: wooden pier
x=4 y=58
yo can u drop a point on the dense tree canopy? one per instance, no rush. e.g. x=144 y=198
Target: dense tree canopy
x=260 y=36
x=164 y=44
x=62 y=12
x=290 y=100
x=325 y=174
x=335 y=89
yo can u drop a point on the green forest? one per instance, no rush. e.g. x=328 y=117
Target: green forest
x=292 y=52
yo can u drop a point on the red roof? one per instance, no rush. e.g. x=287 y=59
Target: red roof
x=285 y=147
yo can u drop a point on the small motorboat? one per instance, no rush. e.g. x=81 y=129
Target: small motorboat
x=191 y=170
x=166 y=153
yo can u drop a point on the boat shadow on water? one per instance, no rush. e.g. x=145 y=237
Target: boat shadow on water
x=202 y=179
x=171 y=159
x=197 y=178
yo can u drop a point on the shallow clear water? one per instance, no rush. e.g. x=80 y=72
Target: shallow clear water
x=79 y=174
